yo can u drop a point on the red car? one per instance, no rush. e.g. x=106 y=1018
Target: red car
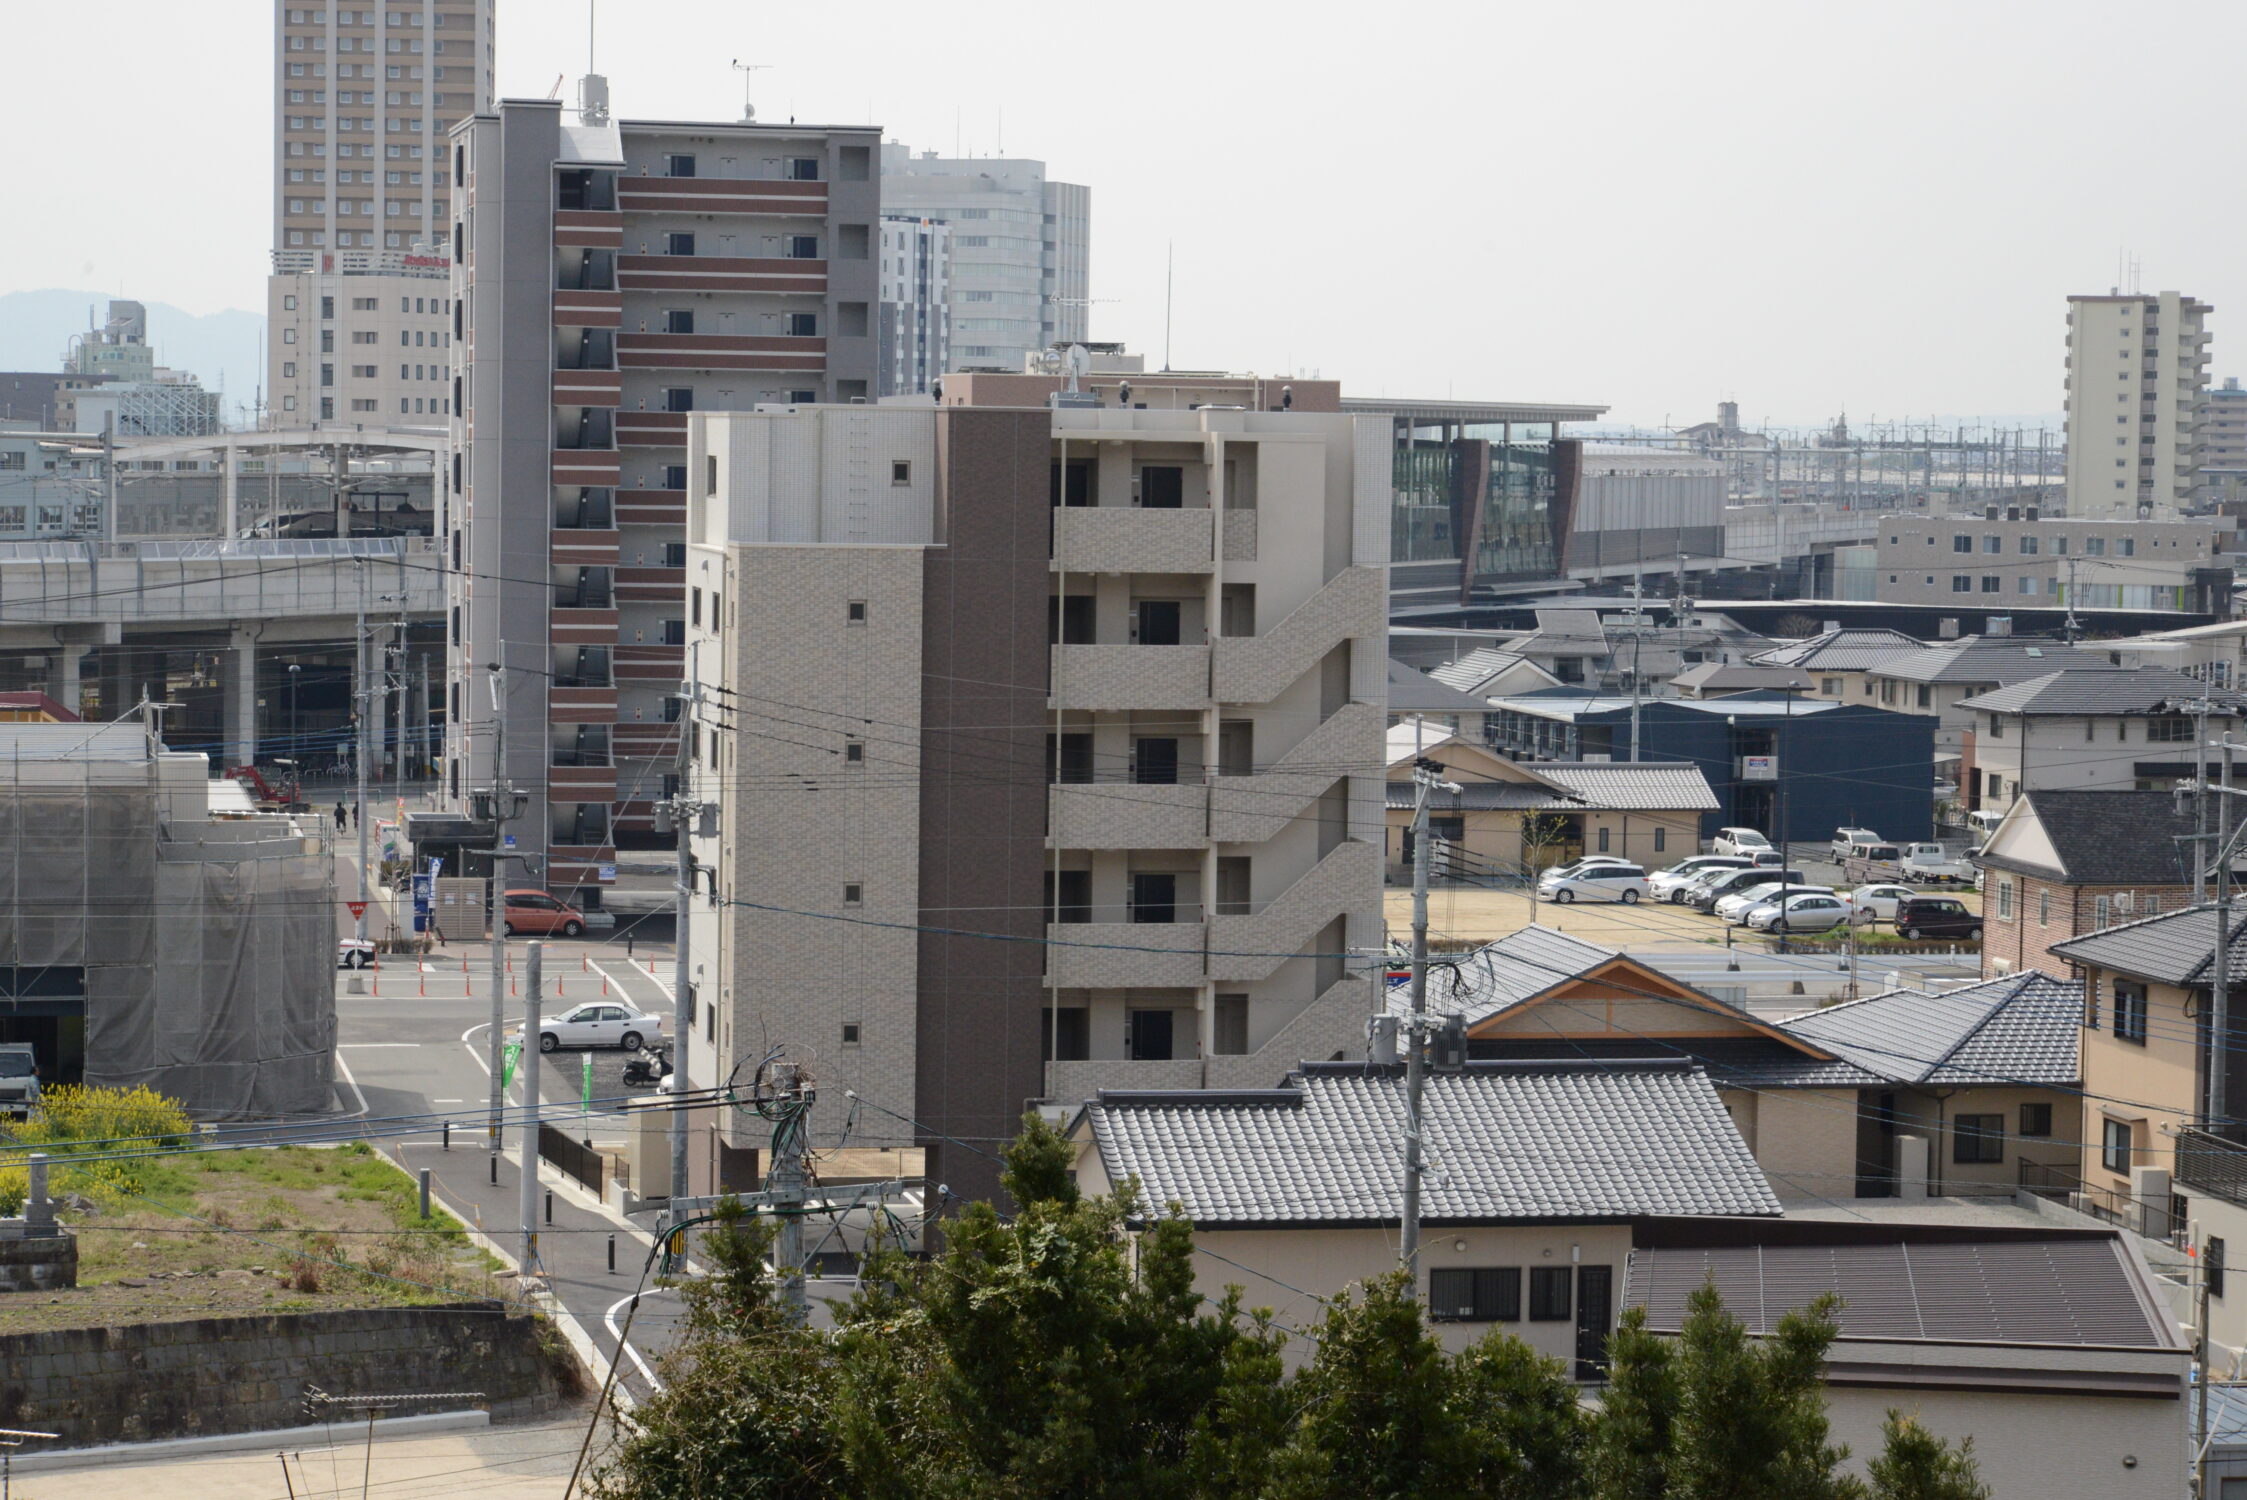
x=539 y=915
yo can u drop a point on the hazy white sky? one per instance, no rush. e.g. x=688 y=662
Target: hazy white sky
x=1648 y=205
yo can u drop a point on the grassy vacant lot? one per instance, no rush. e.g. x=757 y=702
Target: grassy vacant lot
x=221 y=1234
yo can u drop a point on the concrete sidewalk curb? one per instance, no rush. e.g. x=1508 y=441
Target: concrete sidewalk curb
x=232 y=1442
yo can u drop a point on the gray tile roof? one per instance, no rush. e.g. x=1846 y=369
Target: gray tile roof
x=2176 y=947
x=1716 y=676
x=2098 y=690
x=1415 y=692
x=1529 y=962
x=2073 y=1291
x=1633 y=785
x=2021 y=1029
x=1994 y=659
x=1506 y=1141
x=2109 y=838
x=1470 y=672
x=1839 y=650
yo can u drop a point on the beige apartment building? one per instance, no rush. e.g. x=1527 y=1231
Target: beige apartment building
x=358 y=302
x=1049 y=748
x=2136 y=365
x=2019 y=557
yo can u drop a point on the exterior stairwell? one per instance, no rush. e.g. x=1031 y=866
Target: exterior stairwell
x=1251 y=809
x=1258 y=668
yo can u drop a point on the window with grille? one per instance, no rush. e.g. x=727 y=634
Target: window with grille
x=1478 y=1294
x=2130 y=1011
x=1978 y=1138
x=1549 y=1300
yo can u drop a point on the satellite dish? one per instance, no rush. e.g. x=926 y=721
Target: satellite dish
x=1080 y=360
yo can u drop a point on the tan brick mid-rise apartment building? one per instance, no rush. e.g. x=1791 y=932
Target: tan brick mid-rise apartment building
x=2063 y=864
x=1049 y=745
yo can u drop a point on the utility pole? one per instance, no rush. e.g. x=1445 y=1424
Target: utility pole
x=2200 y=800
x=501 y=808
x=685 y=814
x=786 y=1185
x=2200 y=1343
x=360 y=708
x=1427 y=777
x=527 y=1256
x=2219 y=1003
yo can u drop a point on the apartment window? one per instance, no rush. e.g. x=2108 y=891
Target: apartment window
x=2130 y=1011
x=710 y=474
x=2125 y=546
x=850 y=1033
x=678 y=166
x=327 y=408
x=854 y=613
x=2212 y=1266
x=1961 y=584
x=854 y=895
x=363 y=404
x=2044 y=908
x=803 y=169
x=674 y=632
x=1549 y=1300
x=2029 y=586
x=2094 y=546
x=1992 y=584
x=901 y=471
x=1475 y=1294
x=694 y=608
x=1229 y=1034
x=2028 y=546
x=1996 y=732
x=1978 y=1138
x=1925 y=696
x=803 y=325
x=288 y=369
x=2036 y=1119
x=1603 y=840
x=674 y=476
x=678 y=398
x=678 y=320
x=2169 y=730
x=1661 y=838
x=2114 y=1147
x=854 y=752
x=1993 y=544
x=1962 y=543
x=2005 y=900
x=678 y=244
x=2059 y=546
x=799 y=247
x=2102 y=913
x=327 y=374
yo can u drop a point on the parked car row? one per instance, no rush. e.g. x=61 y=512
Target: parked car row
x=1745 y=883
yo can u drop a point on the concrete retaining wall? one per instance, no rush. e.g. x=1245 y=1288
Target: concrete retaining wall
x=194 y=1377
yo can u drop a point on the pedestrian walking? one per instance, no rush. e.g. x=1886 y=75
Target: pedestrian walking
x=339 y=815
x=354 y=815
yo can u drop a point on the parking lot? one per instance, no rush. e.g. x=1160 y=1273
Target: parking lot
x=1469 y=915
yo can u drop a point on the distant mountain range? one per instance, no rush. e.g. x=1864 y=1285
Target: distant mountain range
x=221 y=348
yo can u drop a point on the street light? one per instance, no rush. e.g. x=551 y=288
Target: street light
x=294 y=753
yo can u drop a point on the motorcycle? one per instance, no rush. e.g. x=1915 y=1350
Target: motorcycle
x=648 y=1068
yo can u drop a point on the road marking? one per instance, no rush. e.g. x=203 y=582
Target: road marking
x=609 y=1318
x=639 y=974
x=347 y=1078
x=377 y=1044
x=448 y=1101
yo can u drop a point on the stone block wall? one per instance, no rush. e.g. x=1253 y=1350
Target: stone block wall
x=201 y=1376
x=38 y=1263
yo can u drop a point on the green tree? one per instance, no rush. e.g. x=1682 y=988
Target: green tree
x=1751 y=1414
x=1914 y=1464
x=1627 y=1457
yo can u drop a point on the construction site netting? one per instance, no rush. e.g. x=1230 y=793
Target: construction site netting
x=208 y=959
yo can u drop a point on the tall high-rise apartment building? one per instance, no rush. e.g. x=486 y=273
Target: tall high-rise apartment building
x=612 y=278
x=2220 y=441
x=2136 y=365
x=356 y=307
x=1048 y=747
x=1021 y=250
x=916 y=277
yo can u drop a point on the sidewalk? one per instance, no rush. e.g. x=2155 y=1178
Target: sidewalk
x=574 y=1249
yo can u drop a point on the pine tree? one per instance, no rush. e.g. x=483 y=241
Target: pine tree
x=1914 y=1464
x=1751 y=1415
x=1626 y=1458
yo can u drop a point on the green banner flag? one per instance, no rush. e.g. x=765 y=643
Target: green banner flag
x=585 y=1093
x=509 y=1054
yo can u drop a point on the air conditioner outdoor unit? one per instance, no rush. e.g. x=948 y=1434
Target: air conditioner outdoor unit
x=2122 y=901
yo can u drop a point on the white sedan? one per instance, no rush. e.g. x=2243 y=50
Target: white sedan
x=601 y=1023
x=1812 y=911
x=1736 y=906
x=1876 y=903
x=1669 y=885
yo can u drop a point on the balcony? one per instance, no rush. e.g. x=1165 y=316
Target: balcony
x=644 y=739
x=581 y=547
x=651 y=585
x=721 y=273
x=567 y=624
x=588 y=309
x=1128 y=815
x=651 y=429
x=645 y=663
x=589 y=466
x=581 y=783
x=1249 y=948
x=651 y=507
x=588 y=229
x=721 y=195
x=720 y=351
x=1095 y=539
x=596 y=388
x=1258 y=668
x=1125 y=955
x=580 y=703
x=1130 y=677
x=579 y=864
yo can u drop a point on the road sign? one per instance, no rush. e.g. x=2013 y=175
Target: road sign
x=358 y=908
x=608 y=872
x=507 y=841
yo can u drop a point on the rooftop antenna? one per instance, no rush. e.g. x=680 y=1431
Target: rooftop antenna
x=1170 y=280
x=747 y=71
